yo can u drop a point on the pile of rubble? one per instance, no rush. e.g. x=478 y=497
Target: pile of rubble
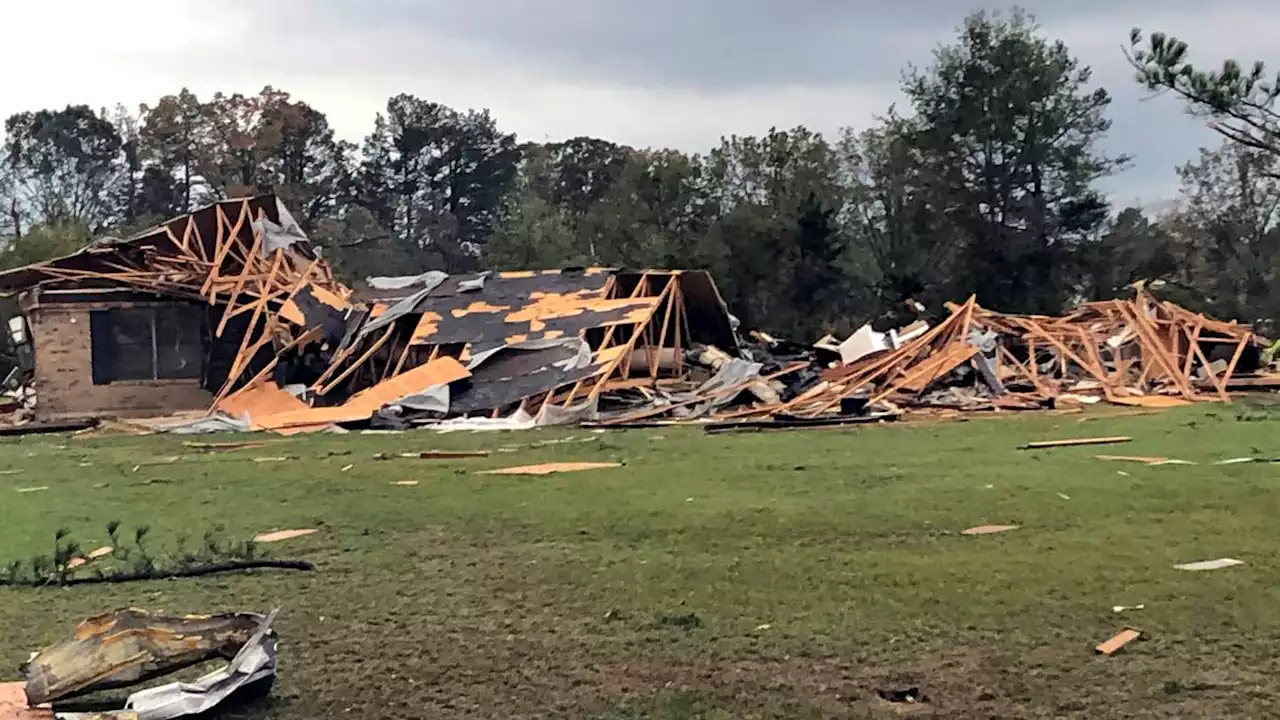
x=1142 y=352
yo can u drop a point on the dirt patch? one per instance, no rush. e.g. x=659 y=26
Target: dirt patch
x=955 y=685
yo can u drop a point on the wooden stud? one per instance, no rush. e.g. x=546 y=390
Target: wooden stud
x=354 y=366
x=235 y=293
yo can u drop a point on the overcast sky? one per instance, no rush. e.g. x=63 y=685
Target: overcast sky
x=677 y=73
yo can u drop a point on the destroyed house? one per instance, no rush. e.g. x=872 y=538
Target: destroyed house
x=126 y=327
x=229 y=309
x=541 y=344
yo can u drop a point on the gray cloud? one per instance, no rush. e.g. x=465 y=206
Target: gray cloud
x=707 y=46
x=674 y=73
x=758 y=48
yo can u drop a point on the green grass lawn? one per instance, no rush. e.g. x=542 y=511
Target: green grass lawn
x=733 y=576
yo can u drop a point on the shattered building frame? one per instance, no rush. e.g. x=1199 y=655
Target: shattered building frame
x=231 y=310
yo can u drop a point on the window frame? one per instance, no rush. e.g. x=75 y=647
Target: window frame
x=108 y=344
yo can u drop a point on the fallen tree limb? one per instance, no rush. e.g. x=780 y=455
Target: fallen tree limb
x=222 y=567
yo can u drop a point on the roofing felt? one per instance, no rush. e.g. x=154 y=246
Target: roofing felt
x=514 y=307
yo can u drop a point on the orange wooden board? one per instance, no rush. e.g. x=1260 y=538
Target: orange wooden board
x=1121 y=639
x=365 y=403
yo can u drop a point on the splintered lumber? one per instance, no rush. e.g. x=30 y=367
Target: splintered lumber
x=989 y=529
x=277 y=536
x=1044 y=444
x=434 y=455
x=1132 y=458
x=550 y=468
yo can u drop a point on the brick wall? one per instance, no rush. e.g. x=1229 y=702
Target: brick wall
x=64 y=372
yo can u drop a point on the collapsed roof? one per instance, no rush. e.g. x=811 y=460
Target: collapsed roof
x=312 y=351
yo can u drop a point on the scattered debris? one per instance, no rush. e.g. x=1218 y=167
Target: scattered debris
x=434 y=455
x=989 y=529
x=1045 y=444
x=41 y=488
x=303 y=352
x=1126 y=608
x=550 y=468
x=1210 y=564
x=405 y=483
x=76 y=562
x=909 y=695
x=346 y=468
x=279 y=535
x=254 y=663
x=129 y=647
x=1121 y=639
x=1132 y=458
x=1064 y=496
x=136 y=562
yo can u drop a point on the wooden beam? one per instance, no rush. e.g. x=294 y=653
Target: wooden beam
x=355 y=365
x=235 y=293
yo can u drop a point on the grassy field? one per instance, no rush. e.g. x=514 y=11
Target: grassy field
x=733 y=576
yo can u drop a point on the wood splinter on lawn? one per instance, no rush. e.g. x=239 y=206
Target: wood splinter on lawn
x=434 y=455
x=550 y=468
x=270 y=537
x=988 y=529
x=1124 y=637
x=1045 y=444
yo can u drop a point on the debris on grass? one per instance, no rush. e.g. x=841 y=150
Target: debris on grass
x=128 y=647
x=279 y=535
x=908 y=695
x=346 y=468
x=549 y=468
x=1242 y=460
x=406 y=483
x=1172 y=462
x=1124 y=637
x=42 y=488
x=1218 y=564
x=1073 y=442
x=988 y=529
x=1132 y=458
x=1064 y=496
x=1126 y=608
x=434 y=455
x=68 y=565
x=76 y=562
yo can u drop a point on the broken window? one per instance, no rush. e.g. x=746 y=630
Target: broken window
x=156 y=343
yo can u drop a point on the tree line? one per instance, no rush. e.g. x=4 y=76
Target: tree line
x=986 y=182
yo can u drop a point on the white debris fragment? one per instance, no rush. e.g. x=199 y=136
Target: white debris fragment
x=1210 y=564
